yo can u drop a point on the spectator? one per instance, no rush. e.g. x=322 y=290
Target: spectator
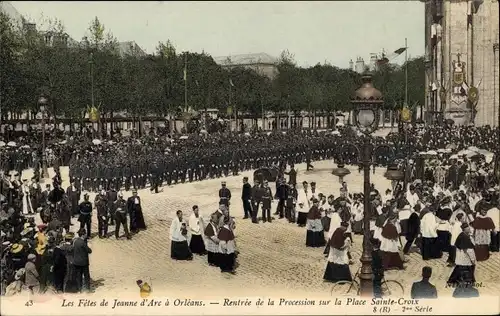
x=423 y=288
x=81 y=253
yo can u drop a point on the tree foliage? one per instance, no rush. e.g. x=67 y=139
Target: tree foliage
x=98 y=70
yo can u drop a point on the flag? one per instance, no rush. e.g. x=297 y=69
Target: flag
x=196 y=82
x=231 y=82
x=399 y=51
x=385 y=59
x=185 y=74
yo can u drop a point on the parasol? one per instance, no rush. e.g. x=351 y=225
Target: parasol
x=2 y=144
x=432 y=153
x=25 y=146
x=184 y=137
x=96 y=142
x=473 y=148
x=335 y=133
x=451 y=146
x=11 y=144
x=62 y=142
x=442 y=150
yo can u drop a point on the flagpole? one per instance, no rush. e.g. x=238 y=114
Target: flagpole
x=185 y=84
x=406 y=71
x=230 y=97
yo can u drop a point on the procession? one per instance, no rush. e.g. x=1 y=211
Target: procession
x=124 y=169
x=453 y=197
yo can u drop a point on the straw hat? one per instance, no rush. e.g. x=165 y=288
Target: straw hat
x=26 y=231
x=16 y=248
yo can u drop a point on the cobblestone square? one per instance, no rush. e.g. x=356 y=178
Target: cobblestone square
x=273 y=257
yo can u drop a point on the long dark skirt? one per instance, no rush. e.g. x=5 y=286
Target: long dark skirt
x=357 y=227
x=213 y=258
x=337 y=272
x=197 y=245
x=392 y=260
x=301 y=219
x=227 y=262
x=459 y=272
x=71 y=284
x=482 y=252
x=430 y=249
x=180 y=251
x=443 y=240
x=495 y=242
x=315 y=239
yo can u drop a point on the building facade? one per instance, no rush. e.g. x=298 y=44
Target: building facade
x=261 y=63
x=462 y=66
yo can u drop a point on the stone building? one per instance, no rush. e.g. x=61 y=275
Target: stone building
x=462 y=66
x=261 y=63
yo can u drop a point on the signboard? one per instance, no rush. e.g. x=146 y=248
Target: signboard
x=406 y=114
x=94 y=114
x=229 y=110
x=473 y=95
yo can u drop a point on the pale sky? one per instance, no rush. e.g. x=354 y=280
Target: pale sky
x=314 y=32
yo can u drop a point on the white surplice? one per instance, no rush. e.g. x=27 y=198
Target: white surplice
x=175 y=230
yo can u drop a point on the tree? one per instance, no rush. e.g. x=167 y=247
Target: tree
x=11 y=79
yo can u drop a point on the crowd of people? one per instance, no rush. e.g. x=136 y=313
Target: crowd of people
x=450 y=206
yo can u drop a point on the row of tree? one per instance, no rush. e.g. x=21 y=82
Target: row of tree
x=76 y=75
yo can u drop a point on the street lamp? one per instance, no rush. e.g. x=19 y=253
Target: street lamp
x=367 y=102
x=42 y=101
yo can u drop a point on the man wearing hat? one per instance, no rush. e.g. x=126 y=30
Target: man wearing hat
x=120 y=212
x=267 y=197
x=85 y=217
x=31 y=277
x=224 y=195
x=246 y=197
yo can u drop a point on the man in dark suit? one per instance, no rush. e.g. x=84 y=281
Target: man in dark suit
x=413 y=229
x=292 y=175
x=282 y=195
x=81 y=253
x=423 y=288
x=246 y=197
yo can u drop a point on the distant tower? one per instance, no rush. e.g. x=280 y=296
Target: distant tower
x=351 y=65
x=360 y=65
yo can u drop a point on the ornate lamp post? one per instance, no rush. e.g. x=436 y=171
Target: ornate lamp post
x=367 y=102
x=42 y=102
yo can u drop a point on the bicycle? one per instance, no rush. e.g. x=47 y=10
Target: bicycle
x=389 y=287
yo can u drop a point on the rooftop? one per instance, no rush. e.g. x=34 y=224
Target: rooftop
x=246 y=59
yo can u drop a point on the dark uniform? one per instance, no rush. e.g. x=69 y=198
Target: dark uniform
x=224 y=195
x=267 y=198
x=85 y=217
x=120 y=211
x=102 y=216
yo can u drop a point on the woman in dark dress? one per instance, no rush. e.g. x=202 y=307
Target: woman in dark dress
x=135 y=210
x=337 y=269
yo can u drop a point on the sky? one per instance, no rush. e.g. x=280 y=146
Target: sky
x=314 y=32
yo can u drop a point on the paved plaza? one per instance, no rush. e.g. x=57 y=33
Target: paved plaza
x=273 y=257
